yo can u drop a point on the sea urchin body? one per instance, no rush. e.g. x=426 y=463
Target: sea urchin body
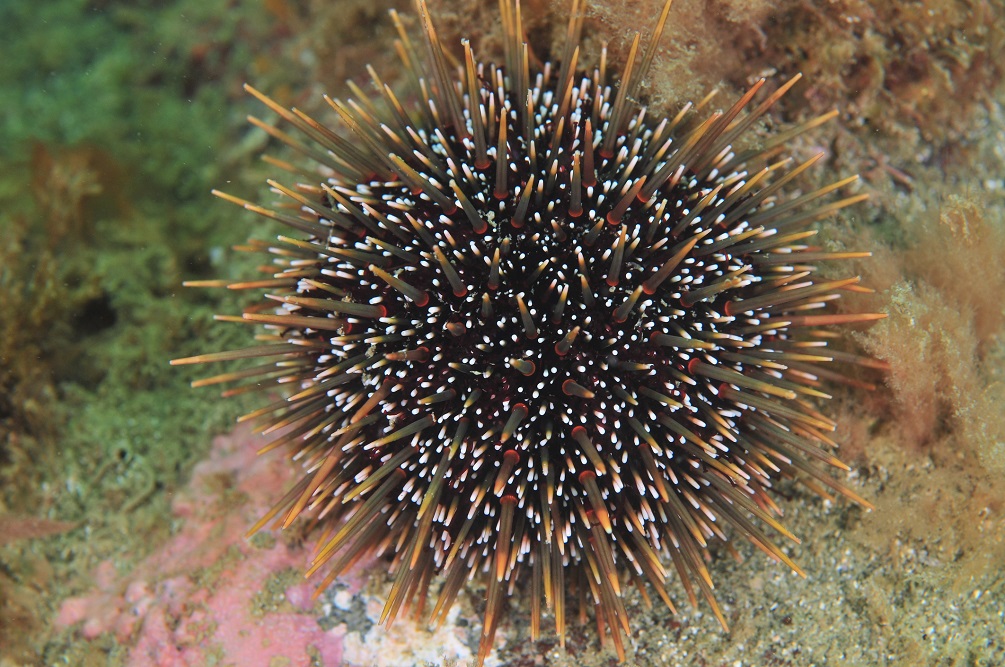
x=528 y=331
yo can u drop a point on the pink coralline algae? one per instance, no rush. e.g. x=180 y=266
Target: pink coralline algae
x=202 y=598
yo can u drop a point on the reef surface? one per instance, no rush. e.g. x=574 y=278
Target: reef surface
x=124 y=494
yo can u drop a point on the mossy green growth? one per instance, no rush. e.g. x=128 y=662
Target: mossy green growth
x=119 y=119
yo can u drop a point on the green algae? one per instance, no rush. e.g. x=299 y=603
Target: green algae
x=118 y=120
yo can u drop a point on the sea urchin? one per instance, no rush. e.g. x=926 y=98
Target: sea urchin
x=525 y=330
